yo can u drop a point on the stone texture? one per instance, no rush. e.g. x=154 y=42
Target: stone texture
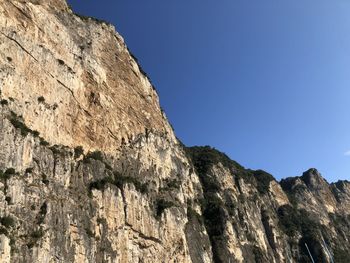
x=94 y=92
x=91 y=170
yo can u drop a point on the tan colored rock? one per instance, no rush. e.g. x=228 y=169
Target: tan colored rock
x=5 y=249
x=279 y=195
x=94 y=92
x=135 y=194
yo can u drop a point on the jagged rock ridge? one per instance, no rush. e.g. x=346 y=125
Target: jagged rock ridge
x=91 y=170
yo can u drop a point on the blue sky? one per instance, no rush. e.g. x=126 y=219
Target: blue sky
x=267 y=82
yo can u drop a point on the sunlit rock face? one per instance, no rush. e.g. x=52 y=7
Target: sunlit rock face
x=73 y=79
x=91 y=171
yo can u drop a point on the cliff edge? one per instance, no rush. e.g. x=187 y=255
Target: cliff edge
x=91 y=170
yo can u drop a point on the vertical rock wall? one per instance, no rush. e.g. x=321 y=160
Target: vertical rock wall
x=91 y=171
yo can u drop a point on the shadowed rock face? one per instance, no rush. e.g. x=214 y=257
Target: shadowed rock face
x=313 y=179
x=91 y=171
x=250 y=217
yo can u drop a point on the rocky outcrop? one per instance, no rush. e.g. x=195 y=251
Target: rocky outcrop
x=250 y=217
x=91 y=170
x=59 y=205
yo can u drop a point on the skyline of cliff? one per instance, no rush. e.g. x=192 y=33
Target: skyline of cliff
x=267 y=83
x=92 y=171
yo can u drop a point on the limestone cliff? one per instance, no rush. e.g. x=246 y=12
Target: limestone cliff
x=250 y=217
x=91 y=171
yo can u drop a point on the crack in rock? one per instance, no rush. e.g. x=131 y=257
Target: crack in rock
x=48 y=73
x=142 y=235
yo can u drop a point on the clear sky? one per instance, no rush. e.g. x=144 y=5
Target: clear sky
x=267 y=82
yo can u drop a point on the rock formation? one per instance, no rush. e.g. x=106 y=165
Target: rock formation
x=91 y=171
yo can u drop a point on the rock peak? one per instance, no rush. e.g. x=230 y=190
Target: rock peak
x=312 y=172
x=313 y=177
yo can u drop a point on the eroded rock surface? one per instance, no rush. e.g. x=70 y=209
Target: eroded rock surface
x=91 y=171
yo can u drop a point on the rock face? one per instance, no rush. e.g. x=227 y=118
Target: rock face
x=250 y=217
x=73 y=79
x=91 y=171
